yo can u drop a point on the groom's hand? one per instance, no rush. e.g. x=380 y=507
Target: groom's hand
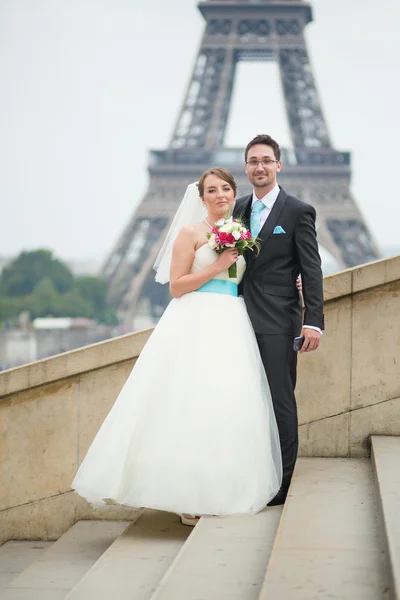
x=311 y=339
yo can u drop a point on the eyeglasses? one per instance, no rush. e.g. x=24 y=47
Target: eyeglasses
x=253 y=164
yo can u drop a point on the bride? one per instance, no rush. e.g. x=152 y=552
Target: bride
x=193 y=430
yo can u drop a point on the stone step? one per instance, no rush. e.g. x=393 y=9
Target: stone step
x=223 y=559
x=386 y=463
x=16 y=556
x=134 y=564
x=62 y=565
x=328 y=542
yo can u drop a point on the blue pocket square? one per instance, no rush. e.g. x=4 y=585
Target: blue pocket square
x=279 y=229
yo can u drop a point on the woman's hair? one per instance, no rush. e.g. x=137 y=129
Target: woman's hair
x=219 y=172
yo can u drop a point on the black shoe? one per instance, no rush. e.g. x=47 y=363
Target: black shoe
x=279 y=498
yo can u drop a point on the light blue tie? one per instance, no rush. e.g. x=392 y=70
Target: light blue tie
x=255 y=218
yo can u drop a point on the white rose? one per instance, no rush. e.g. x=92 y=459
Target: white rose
x=236 y=234
x=220 y=222
x=211 y=242
x=229 y=245
x=227 y=228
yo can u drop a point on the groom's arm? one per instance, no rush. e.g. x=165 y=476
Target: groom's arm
x=306 y=245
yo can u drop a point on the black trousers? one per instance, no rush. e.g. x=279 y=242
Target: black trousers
x=280 y=363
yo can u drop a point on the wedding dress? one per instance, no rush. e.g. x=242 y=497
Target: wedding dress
x=193 y=429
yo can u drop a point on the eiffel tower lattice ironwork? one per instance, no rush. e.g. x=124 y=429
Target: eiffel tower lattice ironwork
x=239 y=30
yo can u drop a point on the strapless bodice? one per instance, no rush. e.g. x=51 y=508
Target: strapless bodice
x=206 y=256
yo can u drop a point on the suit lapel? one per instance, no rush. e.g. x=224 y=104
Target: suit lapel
x=273 y=217
x=268 y=227
x=244 y=210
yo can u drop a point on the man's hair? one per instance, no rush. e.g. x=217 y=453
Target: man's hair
x=219 y=172
x=263 y=138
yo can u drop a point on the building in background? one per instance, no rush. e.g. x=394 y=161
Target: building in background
x=239 y=30
x=46 y=337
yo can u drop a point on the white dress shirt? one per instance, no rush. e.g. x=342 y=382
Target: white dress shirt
x=269 y=201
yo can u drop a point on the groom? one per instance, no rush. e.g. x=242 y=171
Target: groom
x=286 y=229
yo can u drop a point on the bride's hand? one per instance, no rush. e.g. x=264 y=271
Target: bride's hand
x=227 y=258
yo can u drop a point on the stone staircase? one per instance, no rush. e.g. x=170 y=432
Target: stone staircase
x=337 y=537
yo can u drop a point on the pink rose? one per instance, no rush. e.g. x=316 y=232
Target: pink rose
x=214 y=230
x=248 y=235
x=243 y=236
x=230 y=239
x=223 y=237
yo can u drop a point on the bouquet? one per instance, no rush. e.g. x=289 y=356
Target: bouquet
x=231 y=233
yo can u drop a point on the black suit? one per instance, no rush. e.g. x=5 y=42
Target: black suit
x=274 y=305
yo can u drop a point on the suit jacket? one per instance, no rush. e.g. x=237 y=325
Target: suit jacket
x=269 y=284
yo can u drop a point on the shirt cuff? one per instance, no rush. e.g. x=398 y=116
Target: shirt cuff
x=312 y=327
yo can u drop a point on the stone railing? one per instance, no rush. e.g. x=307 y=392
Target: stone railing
x=350 y=388
x=50 y=410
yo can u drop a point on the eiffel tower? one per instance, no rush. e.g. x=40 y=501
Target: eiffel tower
x=239 y=30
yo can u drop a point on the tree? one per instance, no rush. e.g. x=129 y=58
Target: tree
x=108 y=316
x=42 y=301
x=8 y=309
x=92 y=289
x=21 y=277
x=43 y=285
x=71 y=304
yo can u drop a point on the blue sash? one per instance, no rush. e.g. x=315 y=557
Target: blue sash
x=219 y=286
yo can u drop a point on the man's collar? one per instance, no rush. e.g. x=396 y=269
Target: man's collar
x=268 y=199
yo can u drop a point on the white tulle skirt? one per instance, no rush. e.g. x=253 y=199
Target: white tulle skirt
x=193 y=429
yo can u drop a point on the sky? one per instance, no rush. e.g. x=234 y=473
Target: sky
x=87 y=87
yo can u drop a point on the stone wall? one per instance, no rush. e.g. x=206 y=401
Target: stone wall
x=350 y=389
x=50 y=410
x=49 y=413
